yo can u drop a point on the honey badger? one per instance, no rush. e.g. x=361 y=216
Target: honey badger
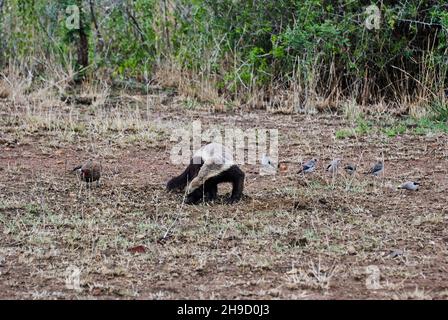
x=210 y=165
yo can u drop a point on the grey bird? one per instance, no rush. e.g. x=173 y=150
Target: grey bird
x=333 y=166
x=89 y=172
x=377 y=169
x=350 y=168
x=410 y=185
x=268 y=166
x=268 y=163
x=308 y=166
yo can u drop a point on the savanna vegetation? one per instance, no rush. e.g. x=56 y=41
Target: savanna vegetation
x=283 y=54
x=360 y=82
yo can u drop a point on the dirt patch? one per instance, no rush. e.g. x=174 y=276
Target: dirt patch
x=292 y=236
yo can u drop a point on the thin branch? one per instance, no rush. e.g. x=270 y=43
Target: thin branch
x=426 y=24
x=95 y=23
x=166 y=30
x=136 y=25
x=177 y=217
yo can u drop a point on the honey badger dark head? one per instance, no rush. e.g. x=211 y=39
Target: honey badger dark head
x=211 y=165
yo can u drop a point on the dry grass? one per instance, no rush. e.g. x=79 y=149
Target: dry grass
x=15 y=81
x=292 y=237
x=5 y=90
x=190 y=84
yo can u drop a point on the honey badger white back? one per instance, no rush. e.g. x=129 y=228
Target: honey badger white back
x=210 y=165
x=216 y=158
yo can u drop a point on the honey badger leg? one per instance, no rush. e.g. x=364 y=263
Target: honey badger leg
x=211 y=191
x=180 y=182
x=236 y=176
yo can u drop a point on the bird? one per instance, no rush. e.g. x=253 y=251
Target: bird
x=410 y=185
x=377 y=169
x=267 y=162
x=350 y=168
x=89 y=172
x=333 y=166
x=308 y=166
x=268 y=166
x=282 y=167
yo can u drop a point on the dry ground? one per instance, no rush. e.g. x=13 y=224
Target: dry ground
x=291 y=237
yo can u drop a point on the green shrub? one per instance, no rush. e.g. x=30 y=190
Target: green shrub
x=319 y=47
x=439 y=110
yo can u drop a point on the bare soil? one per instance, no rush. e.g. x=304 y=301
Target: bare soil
x=291 y=237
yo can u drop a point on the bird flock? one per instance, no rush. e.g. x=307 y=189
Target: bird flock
x=376 y=170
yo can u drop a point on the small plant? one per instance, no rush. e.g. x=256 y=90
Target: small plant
x=191 y=104
x=439 y=111
x=344 y=133
x=33 y=209
x=362 y=126
x=395 y=130
x=351 y=109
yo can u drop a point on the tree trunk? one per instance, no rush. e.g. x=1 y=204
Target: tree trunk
x=2 y=2
x=83 y=48
x=83 y=45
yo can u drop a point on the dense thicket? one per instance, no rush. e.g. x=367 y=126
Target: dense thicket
x=304 y=48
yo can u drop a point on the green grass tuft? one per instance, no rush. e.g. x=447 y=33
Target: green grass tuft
x=439 y=111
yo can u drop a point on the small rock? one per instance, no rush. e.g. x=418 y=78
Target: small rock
x=351 y=250
x=274 y=292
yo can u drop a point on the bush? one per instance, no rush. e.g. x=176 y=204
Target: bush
x=316 y=48
x=439 y=111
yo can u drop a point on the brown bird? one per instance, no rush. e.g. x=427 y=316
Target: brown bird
x=89 y=172
x=283 y=167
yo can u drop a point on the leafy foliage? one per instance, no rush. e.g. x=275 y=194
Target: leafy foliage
x=320 y=47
